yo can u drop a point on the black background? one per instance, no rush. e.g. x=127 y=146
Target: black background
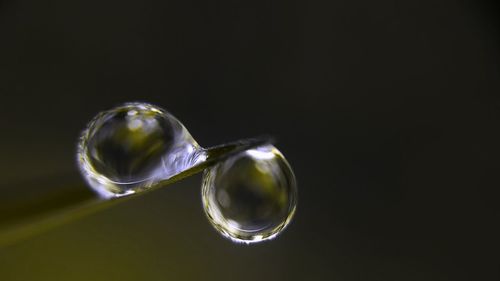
x=387 y=110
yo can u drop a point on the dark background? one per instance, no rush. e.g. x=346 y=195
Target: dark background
x=388 y=111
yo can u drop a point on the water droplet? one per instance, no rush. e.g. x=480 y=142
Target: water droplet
x=251 y=196
x=128 y=148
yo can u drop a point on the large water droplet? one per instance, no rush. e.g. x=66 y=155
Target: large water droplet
x=129 y=148
x=251 y=196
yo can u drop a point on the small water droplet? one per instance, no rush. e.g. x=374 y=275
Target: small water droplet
x=251 y=196
x=130 y=147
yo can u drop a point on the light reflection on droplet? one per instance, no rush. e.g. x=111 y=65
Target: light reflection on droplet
x=252 y=196
x=129 y=148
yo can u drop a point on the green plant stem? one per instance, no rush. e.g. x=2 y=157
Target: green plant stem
x=31 y=208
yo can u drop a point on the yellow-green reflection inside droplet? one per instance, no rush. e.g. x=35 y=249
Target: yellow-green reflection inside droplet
x=251 y=196
x=131 y=147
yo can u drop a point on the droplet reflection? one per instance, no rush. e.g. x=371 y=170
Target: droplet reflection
x=128 y=148
x=251 y=196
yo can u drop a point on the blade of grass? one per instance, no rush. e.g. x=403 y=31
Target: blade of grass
x=33 y=208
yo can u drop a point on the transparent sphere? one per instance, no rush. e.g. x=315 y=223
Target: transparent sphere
x=251 y=196
x=128 y=148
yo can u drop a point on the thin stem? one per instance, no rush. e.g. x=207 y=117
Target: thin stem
x=31 y=208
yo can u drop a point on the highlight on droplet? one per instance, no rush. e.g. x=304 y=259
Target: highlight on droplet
x=252 y=196
x=129 y=148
